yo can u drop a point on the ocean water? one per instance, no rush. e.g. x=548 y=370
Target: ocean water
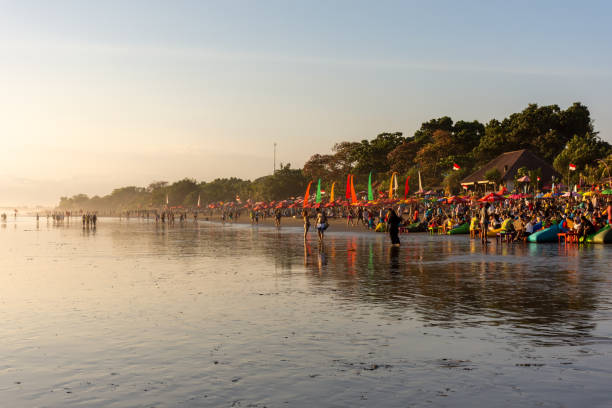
x=136 y=314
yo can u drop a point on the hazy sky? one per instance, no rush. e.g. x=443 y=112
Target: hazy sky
x=101 y=94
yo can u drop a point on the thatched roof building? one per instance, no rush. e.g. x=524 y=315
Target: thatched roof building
x=508 y=164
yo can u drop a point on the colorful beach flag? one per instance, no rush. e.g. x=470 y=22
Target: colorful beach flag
x=420 y=184
x=406 y=188
x=318 y=199
x=307 y=194
x=198 y=201
x=353 y=194
x=370 y=192
x=348 y=187
x=392 y=184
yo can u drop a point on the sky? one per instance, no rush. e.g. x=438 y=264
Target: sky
x=101 y=94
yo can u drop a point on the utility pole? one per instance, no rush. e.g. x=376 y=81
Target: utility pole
x=274 y=158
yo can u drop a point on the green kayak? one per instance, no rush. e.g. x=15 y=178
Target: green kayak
x=462 y=229
x=603 y=236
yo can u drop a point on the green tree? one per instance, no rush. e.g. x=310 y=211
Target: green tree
x=452 y=181
x=372 y=155
x=581 y=151
x=542 y=129
x=425 y=133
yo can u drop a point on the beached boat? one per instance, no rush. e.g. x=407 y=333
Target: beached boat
x=462 y=229
x=603 y=236
x=546 y=235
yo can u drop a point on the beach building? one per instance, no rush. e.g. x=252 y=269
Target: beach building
x=508 y=164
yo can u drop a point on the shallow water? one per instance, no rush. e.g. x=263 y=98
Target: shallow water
x=136 y=314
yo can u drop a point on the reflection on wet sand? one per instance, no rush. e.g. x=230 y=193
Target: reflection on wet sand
x=544 y=292
x=532 y=291
x=201 y=314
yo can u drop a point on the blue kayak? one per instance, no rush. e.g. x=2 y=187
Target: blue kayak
x=546 y=235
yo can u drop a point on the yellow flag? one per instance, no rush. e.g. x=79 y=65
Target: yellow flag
x=394 y=175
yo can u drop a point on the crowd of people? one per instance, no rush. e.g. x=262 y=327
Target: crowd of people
x=516 y=218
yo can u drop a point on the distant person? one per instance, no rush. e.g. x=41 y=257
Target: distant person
x=394 y=221
x=306 y=219
x=484 y=223
x=322 y=224
x=277 y=217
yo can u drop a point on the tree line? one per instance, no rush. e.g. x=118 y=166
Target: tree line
x=558 y=136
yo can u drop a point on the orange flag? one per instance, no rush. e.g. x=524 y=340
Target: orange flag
x=353 y=195
x=307 y=195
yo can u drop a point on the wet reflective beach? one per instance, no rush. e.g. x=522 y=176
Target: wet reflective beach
x=139 y=314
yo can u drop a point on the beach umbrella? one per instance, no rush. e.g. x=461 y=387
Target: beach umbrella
x=503 y=190
x=455 y=200
x=492 y=197
x=570 y=194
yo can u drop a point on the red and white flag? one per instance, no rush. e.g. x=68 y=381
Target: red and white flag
x=456 y=167
x=572 y=167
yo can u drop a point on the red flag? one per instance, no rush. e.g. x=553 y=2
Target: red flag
x=456 y=167
x=348 y=187
x=406 y=188
x=572 y=167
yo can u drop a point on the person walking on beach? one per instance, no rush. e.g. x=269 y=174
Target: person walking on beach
x=394 y=221
x=277 y=217
x=306 y=219
x=322 y=224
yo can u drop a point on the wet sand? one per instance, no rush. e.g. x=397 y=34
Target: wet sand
x=335 y=224
x=138 y=314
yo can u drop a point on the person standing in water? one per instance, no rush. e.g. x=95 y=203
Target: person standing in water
x=322 y=224
x=306 y=219
x=393 y=221
x=484 y=223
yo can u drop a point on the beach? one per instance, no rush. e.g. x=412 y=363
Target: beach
x=209 y=314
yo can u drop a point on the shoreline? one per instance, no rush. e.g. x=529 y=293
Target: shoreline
x=335 y=224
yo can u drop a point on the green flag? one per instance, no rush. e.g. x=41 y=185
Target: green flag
x=319 y=192
x=370 y=193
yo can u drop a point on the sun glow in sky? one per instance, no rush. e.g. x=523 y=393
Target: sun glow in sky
x=96 y=95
